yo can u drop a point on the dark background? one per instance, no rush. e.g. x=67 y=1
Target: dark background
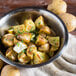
x=7 y=5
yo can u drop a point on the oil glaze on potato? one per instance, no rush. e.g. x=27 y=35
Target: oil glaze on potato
x=29 y=25
x=40 y=57
x=40 y=40
x=7 y=40
x=18 y=29
x=44 y=48
x=10 y=54
x=9 y=70
x=58 y=6
x=23 y=58
x=31 y=50
x=39 y=22
x=69 y=20
x=26 y=37
x=45 y=29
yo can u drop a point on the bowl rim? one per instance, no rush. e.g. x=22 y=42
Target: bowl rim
x=50 y=60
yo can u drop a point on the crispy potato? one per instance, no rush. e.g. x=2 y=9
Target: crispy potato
x=58 y=6
x=43 y=34
x=54 y=41
x=40 y=57
x=15 y=41
x=9 y=70
x=10 y=54
x=31 y=62
x=29 y=25
x=1 y=63
x=19 y=29
x=39 y=22
x=26 y=37
x=45 y=29
x=51 y=53
x=44 y=48
x=53 y=48
x=7 y=40
x=23 y=58
x=10 y=31
x=69 y=20
x=40 y=40
x=31 y=50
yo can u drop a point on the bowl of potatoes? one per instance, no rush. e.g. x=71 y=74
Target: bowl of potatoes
x=31 y=37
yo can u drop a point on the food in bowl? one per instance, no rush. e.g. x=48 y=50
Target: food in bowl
x=32 y=42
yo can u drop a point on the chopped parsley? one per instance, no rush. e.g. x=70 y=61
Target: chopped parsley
x=18 y=44
x=22 y=41
x=23 y=51
x=39 y=23
x=30 y=49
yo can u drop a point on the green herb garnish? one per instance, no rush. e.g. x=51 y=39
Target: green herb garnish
x=30 y=49
x=22 y=41
x=39 y=23
x=18 y=44
x=24 y=51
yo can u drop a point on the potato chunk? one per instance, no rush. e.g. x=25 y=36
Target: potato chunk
x=40 y=57
x=10 y=54
x=51 y=53
x=53 y=48
x=40 y=40
x=54 y=41
x=44 y=48
x=26 y=37
x=19 y=29
x=45 y=29
x=39 y=22
x=19 y=47
x=7 y=40
x=31 y=50
x=23 y=58
x=29 y=25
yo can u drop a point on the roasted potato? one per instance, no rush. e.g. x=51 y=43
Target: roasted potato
x=1 y=63
x=69 y=20
x=31 y=50
x=7 y=40
x=58 y=6
x=23 y=58
x=19 y=47
x=19 y=29
x=10 y=31
x=15 y=41
x=51 y=53
x=43 y=34
x=33 y=36
x=10 y=54
x=54 y=48
x=44 y=48
x=32 y=62
x=54 y=41
x=26 y=37
x=40 y=57
x=39 y=22
x=29 y=25
x=45 y=29
x=9 y=70
x=40 y=40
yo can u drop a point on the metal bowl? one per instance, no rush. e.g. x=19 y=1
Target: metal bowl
x=53 y=21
